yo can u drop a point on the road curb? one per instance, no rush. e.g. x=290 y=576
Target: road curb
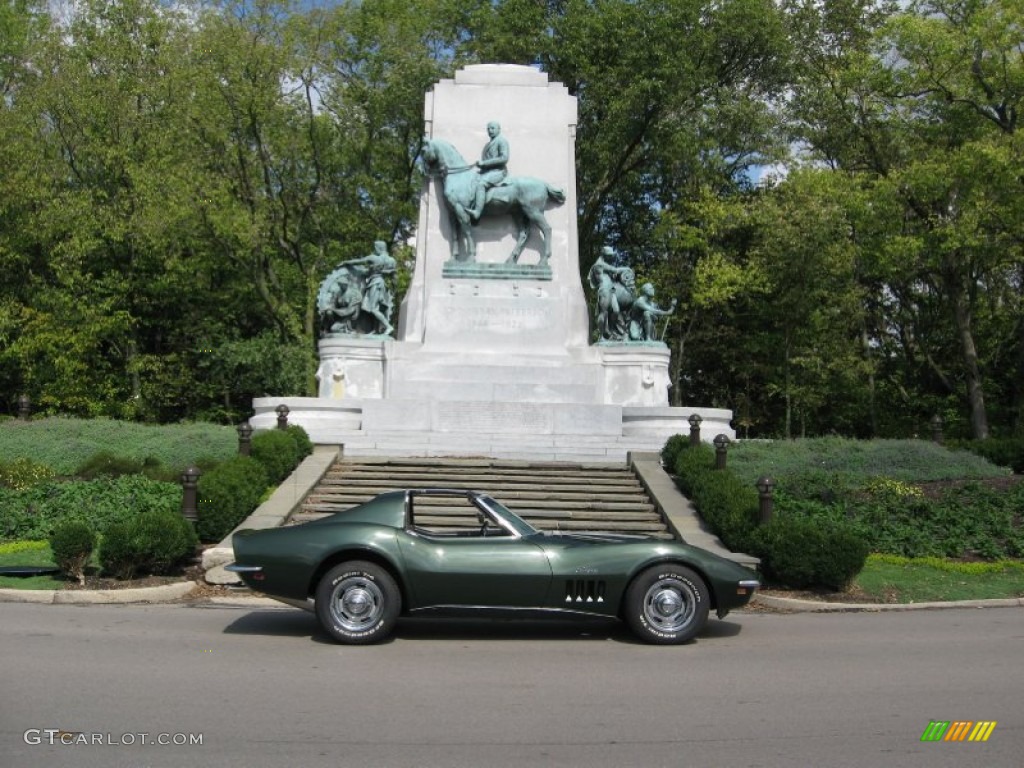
x=162 y=594
x=818 y=606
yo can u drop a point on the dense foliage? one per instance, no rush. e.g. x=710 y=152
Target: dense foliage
x=33 y=513
x=910 y=498
x=831 y=189
x=796 y=550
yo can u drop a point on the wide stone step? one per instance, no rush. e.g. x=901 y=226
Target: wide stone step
x=552 y=496
x=380 y=486
x=420 y=463
x=594 y=524
x=481 y=475
x=328 y=503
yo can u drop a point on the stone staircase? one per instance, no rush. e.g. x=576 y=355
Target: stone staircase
x=605 y=497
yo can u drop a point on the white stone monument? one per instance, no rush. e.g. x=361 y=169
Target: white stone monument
x=493 y=360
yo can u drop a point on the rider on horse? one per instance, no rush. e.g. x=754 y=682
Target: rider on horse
x=492 y=168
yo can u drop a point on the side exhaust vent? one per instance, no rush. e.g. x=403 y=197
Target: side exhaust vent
x=584 y=591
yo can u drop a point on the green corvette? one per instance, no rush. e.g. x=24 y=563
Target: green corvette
x=441 y=550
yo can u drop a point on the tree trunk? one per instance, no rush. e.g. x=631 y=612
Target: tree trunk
x=969 y=353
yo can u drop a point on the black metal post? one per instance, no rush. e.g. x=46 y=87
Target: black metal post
x=244 y=438
x=695 y=421
x=721 y=450
x=282 y=416
x=189 y=493
x=765 y=485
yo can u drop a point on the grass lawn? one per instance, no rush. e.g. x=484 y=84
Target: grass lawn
x=29 y=553
x=890 y=579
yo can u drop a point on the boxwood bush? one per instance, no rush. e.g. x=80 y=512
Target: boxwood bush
x=153 y=542
x=302 y=442
x=227 y=494
x=807 y=552
x=277 y=451
x=72 y=543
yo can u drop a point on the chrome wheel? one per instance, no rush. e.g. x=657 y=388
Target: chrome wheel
x=667 y=604
x=670 y=605
x=356 y=603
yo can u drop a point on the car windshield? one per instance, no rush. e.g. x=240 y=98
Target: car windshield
x=515 y=522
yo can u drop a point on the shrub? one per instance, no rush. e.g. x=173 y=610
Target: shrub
x=107 y=464
x=24 y=473
x=303 y=444
x=276 y=450
x=671 y=451
x=804 y=552
x=227 y=494
x=153 y=542
x=72 y=543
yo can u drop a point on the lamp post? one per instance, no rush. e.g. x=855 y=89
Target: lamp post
x=189 y=486
x=937 y=429
x=282 y=416
x=721 y=450
x=244 y=438
x=24 y=408
x=695 y=420
x=764 y=492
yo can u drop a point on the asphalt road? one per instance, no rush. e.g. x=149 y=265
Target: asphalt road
x=263 y=687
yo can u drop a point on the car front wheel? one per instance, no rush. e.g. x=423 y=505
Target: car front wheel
x=357 y=603
x=667 y=604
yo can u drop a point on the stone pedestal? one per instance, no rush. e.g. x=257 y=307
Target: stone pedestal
x=351 y=367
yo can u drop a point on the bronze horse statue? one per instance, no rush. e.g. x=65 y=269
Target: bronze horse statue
x=523 y=197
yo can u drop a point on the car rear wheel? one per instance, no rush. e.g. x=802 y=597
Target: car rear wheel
x=667 y=604
x=358 y=602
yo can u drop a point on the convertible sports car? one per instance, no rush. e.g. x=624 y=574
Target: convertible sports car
x=454 y=550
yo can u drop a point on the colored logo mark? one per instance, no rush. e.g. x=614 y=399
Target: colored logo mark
x=958 y=730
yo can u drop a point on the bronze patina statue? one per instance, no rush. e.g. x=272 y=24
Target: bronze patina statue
x=621 y=315
x=473 y=190
x=356 y=299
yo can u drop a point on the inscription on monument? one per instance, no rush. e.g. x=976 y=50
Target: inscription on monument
x=500 y=318
x=520 y=418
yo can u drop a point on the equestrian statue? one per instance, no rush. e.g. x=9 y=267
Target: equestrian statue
x=474 y=190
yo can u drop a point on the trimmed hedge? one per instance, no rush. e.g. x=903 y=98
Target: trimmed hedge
x=806 y=552
x=725 y=503
x=227 y=494
x=796 y=550
x=153 y=542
